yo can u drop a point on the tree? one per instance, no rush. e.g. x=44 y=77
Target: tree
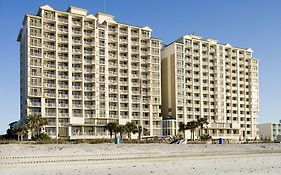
x=182 y=128
x=122 y=130
x=35 y=123
x=130 y=128
x=21 y=131
x=10 y=134
x=205 y=137
x=192 y=125
x=111 y=127
x=202 y=122
x=139 y=131
x=146 y=132
x=116 y=130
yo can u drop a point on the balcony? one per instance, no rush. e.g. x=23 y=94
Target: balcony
x=50 y=85
x=50 y=37
x=63 y=19
x=123 y=99
x=77 y=69
x=77 y=50
x=113 y=90
x=90 y=70
x=34 y=104
x=77 y=87
x=87 y=43
x=63 y=86
x=135 y=108
x=50 y=75
x=48 y=46
x=123 y=91
x=63 y=39
x=89 y=24
x=112 y=29
x=63 y=67
x=49 y=27
x=63 y=30
x=77 y=23
x=77 y=105
x=135 y=51
x=135 y=75
x=88 y=88
x=51 y=66
x=77 y=96
x=89 y=52
x=89 y=79
x=76 y=59
x=77 y=41
x=89 y=97
x=63 y=114
x=35 y=34
x=50 y=114
x=89 y=34
x=123 y=40
x=63 y=105
x=136 y=92
x=50 y=104
x=125 y=108
x=76 y=32
x=136 y=34
x=63 y=95
x=50 y=16
x=113 y=107
x=112 y=39
x=90 y=106
x=50 y=95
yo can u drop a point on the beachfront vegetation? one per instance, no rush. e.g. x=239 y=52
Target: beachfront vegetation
x=128 y=128
x=35 y=123
x=192 y=126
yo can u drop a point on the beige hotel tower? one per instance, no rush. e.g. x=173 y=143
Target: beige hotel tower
x=202 y=78
x=81 y=71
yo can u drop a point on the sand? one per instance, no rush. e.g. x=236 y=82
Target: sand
x=110 y=159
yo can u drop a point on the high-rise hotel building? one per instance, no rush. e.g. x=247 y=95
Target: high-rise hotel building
x=202 y=78
x=81 y=71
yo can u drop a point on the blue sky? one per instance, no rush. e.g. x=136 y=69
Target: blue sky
x=252 y=23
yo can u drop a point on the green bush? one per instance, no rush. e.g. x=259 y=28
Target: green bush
x=42 y=136
x=206 y=137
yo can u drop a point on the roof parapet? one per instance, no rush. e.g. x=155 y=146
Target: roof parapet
x=77 y=10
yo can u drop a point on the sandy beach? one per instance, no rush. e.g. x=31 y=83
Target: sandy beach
x=110 y=159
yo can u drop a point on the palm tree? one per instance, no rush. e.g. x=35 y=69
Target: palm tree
x=146 y=132
x=116 y=130
x=182 y=128
x=121 y=129
x=192 y=125
x=111 y=127
x=21 y=130
x=139 y=131
x=201 y=123
x=130 y=128
x=205 y=137
x=35 y=123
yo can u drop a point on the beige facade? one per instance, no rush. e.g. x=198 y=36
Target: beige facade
x=269 y=131
x=202 y=78
x=81 y=71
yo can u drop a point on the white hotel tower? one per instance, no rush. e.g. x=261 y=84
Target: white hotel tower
x=81 y=71
x=202 y=78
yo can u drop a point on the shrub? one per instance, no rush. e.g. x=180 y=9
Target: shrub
x=205 y=137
